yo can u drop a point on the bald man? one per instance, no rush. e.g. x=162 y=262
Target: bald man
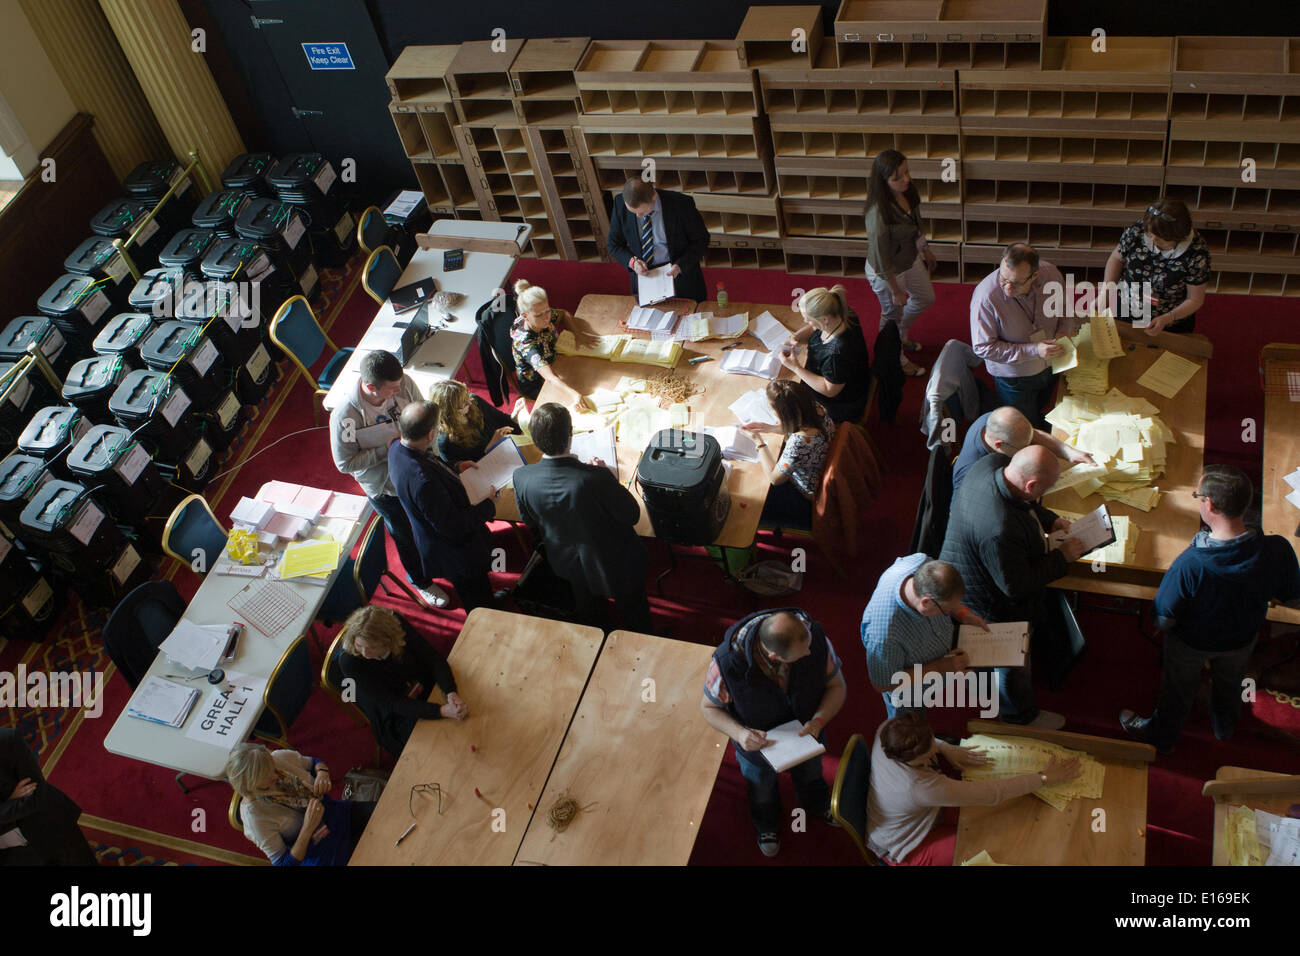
x=997 y=541
x=1007 y=430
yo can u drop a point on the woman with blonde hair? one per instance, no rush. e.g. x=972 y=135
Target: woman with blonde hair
x=467 y=426
x=795 y=468
x=838 y=366
x=394 y=669
x=532 y=341
x=287 y=811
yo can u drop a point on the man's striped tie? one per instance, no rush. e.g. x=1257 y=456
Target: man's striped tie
x=647 y=240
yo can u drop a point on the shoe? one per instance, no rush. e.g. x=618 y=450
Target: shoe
x=831 y=821
x=915 y=371
x=769 y=844
x=910 y=346
x=431 y=596
x=1138 y=728
x=1047 y=720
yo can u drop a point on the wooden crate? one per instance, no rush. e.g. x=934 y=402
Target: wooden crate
x=766 y=36
x=541 y=79
x=942 y=34
x=666 y=79
x=418 y=79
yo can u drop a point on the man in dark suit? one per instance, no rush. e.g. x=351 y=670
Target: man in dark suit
x=651 y=227
x=587 y=521
x=38 y=821
x=451 y=534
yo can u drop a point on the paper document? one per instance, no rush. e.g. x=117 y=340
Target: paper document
x=496 y=469
x=736 y=444
x=405 y=204
x=1168 y=374
x=380 y=435
x=224 y=716
x=1293 y=479
x=655 y=286
x=787 y=749
x=598 y=443
x=770 y=332
x=982 y=858
x=1106 y=343
x=749 y=362
x=345 y=506
x=1094 y=529
x=196 y=646
x=651 y=320
x=752 y=407
x=649 y=352
x=1294 y=499
x=1293 y=386
x=252 y=514
x=1067 y=359
x=1282 y=837
x=162 y=701
x=319 y=556
x=1012 y=756
x=1240 y=839
x=1002 y=645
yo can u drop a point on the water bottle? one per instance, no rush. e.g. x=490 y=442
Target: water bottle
x=722 y=296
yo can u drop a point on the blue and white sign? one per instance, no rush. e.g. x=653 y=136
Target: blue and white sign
x=328 y=56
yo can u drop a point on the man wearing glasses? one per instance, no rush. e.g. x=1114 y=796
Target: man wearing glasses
x=1211 y=604
x=1012 y=333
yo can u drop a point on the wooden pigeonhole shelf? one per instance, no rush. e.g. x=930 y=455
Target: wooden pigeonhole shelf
x=847 y=258
x=541 y=79
x=768 y=36
x=424 y=116
x=941 y=34
x=744 y=231
x=479 y=79
x=665 y=78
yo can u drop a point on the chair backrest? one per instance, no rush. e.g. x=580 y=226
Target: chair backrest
x=233 y=813
x=372 y=560
x=286 y=693
x=139 y=623
x=372 y=230
x=296 y=331
x=381 y=272
x=496 y=324
x=931 y=524
x=952 y=391
x=885 y=368
x=849 y=796
x=193 y=532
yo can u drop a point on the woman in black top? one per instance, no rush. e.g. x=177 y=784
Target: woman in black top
x=394 y=669
x=468 y=425
x=1165 y=266
x=838 y=366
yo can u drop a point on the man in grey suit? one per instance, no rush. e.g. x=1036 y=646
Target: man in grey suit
x=587 y=521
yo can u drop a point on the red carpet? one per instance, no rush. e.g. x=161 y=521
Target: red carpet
x=152 y=822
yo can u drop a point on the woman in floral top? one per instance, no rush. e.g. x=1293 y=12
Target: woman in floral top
x=1163 y=249
x=796 y=475
x=532 y=341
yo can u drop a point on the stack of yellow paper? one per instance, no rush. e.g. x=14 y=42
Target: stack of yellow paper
x=605 y=346
x=1125 y=438
x=1123 y=549
x=1012 y=756
x=1091 y=373
x=316 y=557
x=1242 y=839
x=649 y=352
x=982 y=858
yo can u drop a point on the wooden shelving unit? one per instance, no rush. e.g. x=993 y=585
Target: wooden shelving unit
x=774 y=133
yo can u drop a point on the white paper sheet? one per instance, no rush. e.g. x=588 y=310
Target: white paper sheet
x=1002 y=645
x=654 y=286
x=224 y=715
x=787 y=748
x=597 y=443
x=769 y=331
x=495 y=469
x=752 y=407
x=196 y=646
x=750 y=362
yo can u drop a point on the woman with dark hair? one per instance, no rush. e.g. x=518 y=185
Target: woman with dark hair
x=899 y=260
x=796 y=470
x=1163 y=249
x=909 y=791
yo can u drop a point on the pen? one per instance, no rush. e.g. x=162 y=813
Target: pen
x=701 y=360
x=735 y=346
x=406 y=834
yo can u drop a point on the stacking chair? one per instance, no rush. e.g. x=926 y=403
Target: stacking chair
x=139 y=623
x=297 y=333
x=361 y=576
x=331 y=678
x=233 y=813
x=849 y=796
x=373 y=230
x=193 y=531
x=380 y=274
x=286 y=693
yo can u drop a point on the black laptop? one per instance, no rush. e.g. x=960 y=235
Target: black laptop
x=412 y=296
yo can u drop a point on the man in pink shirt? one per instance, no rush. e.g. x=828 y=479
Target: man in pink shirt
x=1012 y=332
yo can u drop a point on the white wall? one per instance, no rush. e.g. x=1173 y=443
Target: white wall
x=34 y=103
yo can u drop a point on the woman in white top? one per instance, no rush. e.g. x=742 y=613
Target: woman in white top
x=908 y=791
x=286 y=809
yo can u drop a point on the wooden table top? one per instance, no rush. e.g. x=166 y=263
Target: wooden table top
x=1257 y=789
x=644 y=769
x=522 y=678
x=1027 y=832
x=603 y=315
x=1165 y=531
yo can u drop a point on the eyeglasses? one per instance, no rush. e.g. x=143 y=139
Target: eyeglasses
x=432 y=788
x=1198 y=495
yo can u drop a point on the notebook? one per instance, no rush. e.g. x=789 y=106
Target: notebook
x=787 y=749
x=1002 y=645
x=408 y=297
x=162 y=702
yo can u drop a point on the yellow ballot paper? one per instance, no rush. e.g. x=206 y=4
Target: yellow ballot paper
x=1168 y=374
x=310 y=557
x=1241 y=838
x=1011 y=756
x=982 y=858
x=1106 y=343
x=1068 y=359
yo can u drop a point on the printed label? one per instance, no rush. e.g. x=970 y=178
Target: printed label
x=53 y=344
x=197 y=462
x=292 y=231
x=308 y=279
x=21 y=392
x=343 y=227
x=147 y=233
x=116 y=268
x=202 y=359
x=130 y=465
x=227 y=411
x=37 y=598
x=257 y=363
x=94 y=307
x=174 y=407
x=87 y=523
x=325 y=178
x=127 y=563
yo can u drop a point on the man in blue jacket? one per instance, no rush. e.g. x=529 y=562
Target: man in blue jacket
x=772 y=667
x=1210 y=604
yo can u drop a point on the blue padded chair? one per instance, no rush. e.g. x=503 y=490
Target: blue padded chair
x=193 y=527
x=381 y=272
x=297 y=333
x=139 y=623
x=373 y=230
x=286 y=693
x=361 y=576
x=849 y=796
